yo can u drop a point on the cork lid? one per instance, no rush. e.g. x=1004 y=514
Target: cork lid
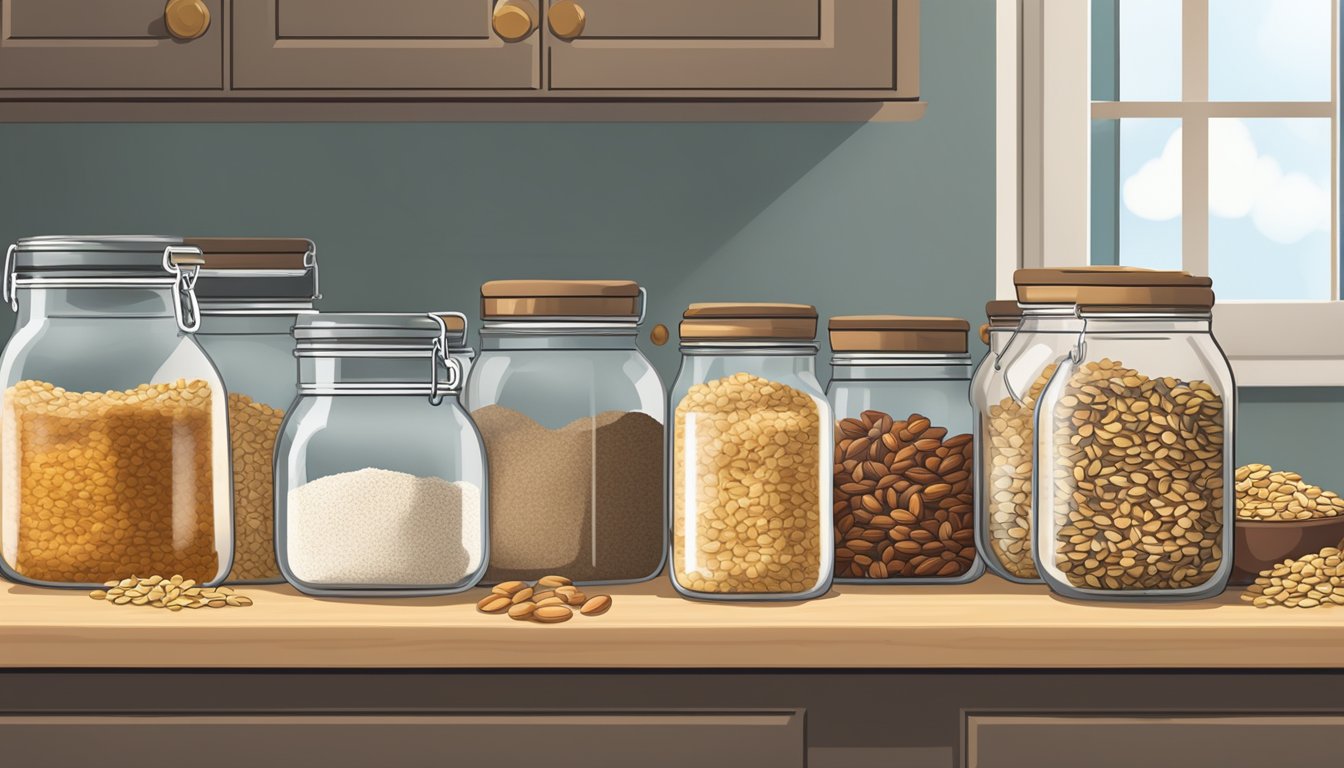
x=749 y=322
x=1003 y=309
x=1116 y=288
x=502 y=299
x=256 y=269
x=898 y=334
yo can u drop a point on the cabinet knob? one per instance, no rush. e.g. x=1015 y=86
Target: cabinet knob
x=514 y=20
x=186 y=19
x=566 y=18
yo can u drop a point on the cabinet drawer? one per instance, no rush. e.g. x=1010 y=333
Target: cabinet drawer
x=506 y=740
x=379 y=45
x=100 y=44
x=1153 y=741
x=738 y=45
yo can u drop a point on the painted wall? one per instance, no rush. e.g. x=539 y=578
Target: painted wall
x=853 y=218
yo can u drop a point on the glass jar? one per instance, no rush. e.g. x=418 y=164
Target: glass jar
x=904 y=495
x=251 y=291
x=115 y=439
x=1005 y=416
x=1135 y=446
x=572 y=416
x=751 y=446
x=380 y=475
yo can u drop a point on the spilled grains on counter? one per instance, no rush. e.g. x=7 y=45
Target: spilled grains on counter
x=173 y=593
x=549 y=600
x=1306 y=582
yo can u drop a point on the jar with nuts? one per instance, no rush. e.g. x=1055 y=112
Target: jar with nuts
x=1135 y=446
x=252 y=290
x=114 y=422
x=903 y=506
x=1030 y=342
x=751 y=456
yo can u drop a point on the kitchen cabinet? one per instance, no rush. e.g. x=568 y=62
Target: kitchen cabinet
x=377 y=44
x=250 y=60
x=97 y=44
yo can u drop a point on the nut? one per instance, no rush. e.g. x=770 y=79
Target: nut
x=552 y=614
x=494 y=604
x=253 y=428
x=596 y=605
x=509 y=588
x=522 y=611
x=1266 y=494
x=1307 y=582
x=552 y=582
x=1007 y=430
x=1138 y=476
x=755 y=521
x=909 y=494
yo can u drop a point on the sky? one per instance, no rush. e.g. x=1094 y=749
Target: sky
x=1270 y=202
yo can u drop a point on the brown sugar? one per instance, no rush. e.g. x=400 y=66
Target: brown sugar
x=253 y=428
x=103 y=485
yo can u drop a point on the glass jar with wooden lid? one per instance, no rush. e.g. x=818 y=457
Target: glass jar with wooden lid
x=252 y=290
x=904 y=450
x=572 y=417
x=751 y=446
x=1134 y=445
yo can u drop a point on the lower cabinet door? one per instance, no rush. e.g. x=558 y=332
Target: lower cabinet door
x=1153 y=741
x=549 y=740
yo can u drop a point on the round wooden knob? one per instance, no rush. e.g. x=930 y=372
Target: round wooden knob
x=186 y=19
x=566 y=18
x=515 y=20
x=984 y=333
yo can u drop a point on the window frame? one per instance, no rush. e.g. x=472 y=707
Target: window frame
x=1044 y=113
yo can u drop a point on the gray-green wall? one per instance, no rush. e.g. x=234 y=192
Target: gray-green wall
x=853 y=218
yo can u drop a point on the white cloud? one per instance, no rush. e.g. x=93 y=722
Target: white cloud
x=1284 y=207
x=1154 y=192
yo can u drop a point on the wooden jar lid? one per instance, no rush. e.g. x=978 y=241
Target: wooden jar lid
x=898 y=334
x=739 y=321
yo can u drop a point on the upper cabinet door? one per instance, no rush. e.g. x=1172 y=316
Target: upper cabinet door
x=382 y=45
x=712 y=45
x=111 y=44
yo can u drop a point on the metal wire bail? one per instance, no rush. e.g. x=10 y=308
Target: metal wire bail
x=9 y=291
x=186 y=309
x=440 y=354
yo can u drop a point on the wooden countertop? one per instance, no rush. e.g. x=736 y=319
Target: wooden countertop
x=988 y=624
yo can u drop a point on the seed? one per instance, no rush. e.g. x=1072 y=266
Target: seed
x=522 y=595
x=552 y=614
x=554 y=581
x=1006 y=484
x=98 y=594
x=509 y=588
x=1264 y=493
x=151 y=592
x=253 y=427
x=522 y=611
x=1321 y=581
x=596 y=605
x=493 y=604
x=1104 y=491
x=552 y=600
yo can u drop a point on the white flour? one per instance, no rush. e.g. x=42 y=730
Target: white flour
x=374 y=527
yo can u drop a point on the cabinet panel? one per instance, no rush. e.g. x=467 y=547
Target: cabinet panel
x=378 y=45
x=96 y=44
x=1154 y=741
x=644 y=739
x=743 y=45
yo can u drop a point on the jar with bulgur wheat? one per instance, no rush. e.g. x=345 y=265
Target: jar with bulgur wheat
x=1134 y=438
x=114 y=447
x=751 y=456
x=251 y=292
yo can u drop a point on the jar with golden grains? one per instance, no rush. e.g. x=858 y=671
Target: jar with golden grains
x=751 y=456
x=1030 y=344
x=1134 y=444
x=251 y=292
x=113 y=421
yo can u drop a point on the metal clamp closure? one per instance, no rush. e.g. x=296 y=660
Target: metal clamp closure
x=8 y=291
x=186 y=309
x=440 y=355
x=310 y=262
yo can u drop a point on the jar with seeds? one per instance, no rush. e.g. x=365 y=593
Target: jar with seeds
x=903 y=506
x=1134 y=437
x=1030 y=342
x=115 y=447
x=751 y=456
x=380 y=475
x=251 y=292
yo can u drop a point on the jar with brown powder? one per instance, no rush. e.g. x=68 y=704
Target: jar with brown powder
x=571 y=413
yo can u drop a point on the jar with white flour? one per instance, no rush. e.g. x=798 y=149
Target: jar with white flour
x=380 y=474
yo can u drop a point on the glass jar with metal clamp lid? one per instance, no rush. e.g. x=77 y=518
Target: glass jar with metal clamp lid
x=572 y=414
x=115 y=430
x=380 y=476
x=1134 y=446
x=251 y=291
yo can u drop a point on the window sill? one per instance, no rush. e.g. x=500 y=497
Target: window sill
x=1283 y=344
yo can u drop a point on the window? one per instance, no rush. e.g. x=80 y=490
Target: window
x=1186 y=134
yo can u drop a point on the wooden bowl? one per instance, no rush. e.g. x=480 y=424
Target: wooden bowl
x=1262 y=544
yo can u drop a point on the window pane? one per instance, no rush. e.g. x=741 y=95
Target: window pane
x=1269 y=50
x=1150 y=193
x=1270 y=208
x=1150 y=50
